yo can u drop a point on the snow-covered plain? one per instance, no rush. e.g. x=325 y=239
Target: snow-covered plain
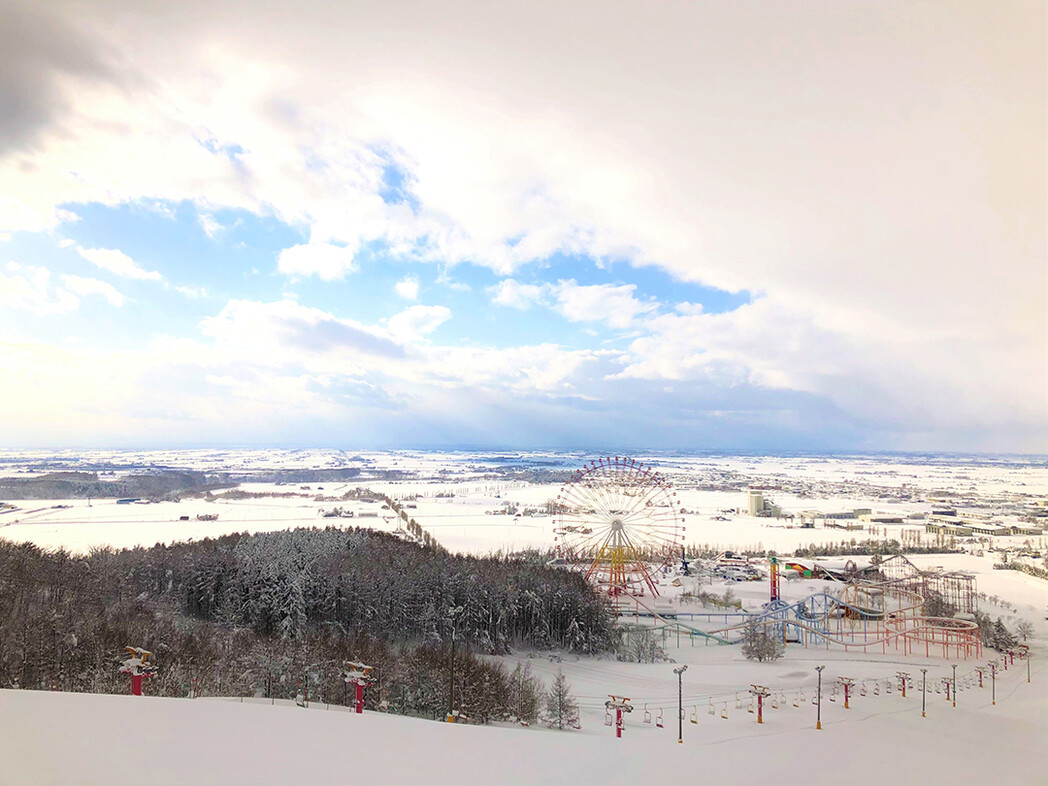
x=881 y=738
x=55 y=738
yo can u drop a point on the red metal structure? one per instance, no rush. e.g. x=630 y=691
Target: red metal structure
x=620 y=704
x=847 y=683
x=774 y=571
x=761 y=693
x=137 y=668
x=359 y=674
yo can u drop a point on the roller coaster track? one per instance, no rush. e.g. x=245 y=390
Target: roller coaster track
x=810 y=620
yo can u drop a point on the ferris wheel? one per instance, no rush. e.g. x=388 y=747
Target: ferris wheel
x=618 y=521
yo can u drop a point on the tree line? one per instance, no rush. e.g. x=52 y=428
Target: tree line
x=274 y=614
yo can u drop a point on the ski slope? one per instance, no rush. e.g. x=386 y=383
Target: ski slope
x=63 y=738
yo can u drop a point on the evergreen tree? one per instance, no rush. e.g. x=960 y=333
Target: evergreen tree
x=561 y=708
x=1002 y=637
x=524 y=694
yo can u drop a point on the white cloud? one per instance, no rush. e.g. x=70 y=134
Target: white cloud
x=614 y=305
x=29 y=288
x=407 y=288
x=509 y=292
x=210 y=226
x=416 y=322
x=897 y=226
x=92 y=286
x=191 y=291
x=326 y=261
x=118 y=263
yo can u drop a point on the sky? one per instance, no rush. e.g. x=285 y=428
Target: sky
x=719 y=225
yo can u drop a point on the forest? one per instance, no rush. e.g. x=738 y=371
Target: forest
x=277 y=614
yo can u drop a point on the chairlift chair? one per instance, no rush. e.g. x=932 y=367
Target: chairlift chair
x=607 y=717
x=658 y=719
x=724 y=710
x=710 y=708
x=647 y=715
x=694 y=714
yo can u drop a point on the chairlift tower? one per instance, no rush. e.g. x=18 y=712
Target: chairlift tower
x=137 y=668
x=620 y=704
x=361 y=675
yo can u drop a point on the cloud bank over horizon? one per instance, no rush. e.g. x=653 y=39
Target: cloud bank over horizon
x=660 y=225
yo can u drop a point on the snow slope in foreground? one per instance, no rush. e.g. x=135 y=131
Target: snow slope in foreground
x=62 y=738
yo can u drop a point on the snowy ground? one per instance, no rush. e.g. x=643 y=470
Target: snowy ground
x=881 y=738
x=55 y=738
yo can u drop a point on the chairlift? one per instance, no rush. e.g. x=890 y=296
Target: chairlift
x=607 y=717
x=889 y=690
x=576 y=723
x=694 y=714
x=710 y=709
x=877 y=688
x=862 y=688
x=647 y=715
x=724 y=710
x=738 y=701
x=751 y=707
x=658 y=718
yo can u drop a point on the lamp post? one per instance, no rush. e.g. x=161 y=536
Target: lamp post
x=954 y=684
x=993 y=681
x=680 y=701
x=924 y=691
x=453 y=613
x=818 y=699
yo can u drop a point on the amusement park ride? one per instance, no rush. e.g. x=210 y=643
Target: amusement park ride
x=619 y=522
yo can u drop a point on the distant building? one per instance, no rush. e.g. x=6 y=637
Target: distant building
x=944 y=528
x=756 y=503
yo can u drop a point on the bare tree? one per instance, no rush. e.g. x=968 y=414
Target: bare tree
x=760 y=645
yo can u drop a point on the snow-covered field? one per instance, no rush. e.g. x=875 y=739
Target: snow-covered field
x=458 y=500
x=56 y=738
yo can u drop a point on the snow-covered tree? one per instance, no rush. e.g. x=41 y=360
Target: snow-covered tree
x=525 y=694
x=561 y=708
x=759 y=644
x=1002 y=637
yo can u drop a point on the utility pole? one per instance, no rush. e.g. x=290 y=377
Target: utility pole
x=818 y=700
x=680 y=701
x=453 y=613
x=954 y=684
x=924 y=691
